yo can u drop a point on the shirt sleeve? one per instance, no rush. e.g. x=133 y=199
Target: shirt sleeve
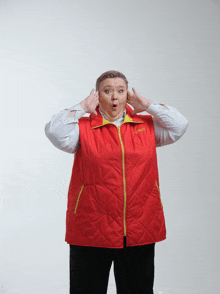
x=169 y=124
x=63 y=131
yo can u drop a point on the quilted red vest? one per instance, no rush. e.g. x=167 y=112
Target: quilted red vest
x=114 y=187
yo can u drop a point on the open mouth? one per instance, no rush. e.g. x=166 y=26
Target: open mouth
x=114 y=106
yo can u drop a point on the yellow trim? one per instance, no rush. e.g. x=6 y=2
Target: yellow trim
x=96 y=127
x=124 y=181
x=127 y=119
x=159 y=194
x=78 y=198
x=105 y=122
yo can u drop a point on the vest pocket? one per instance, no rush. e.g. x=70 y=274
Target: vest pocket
x=80 y=192
x=159 y=193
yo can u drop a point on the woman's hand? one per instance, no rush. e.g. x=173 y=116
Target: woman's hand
x=90 y=103
x=138 y=102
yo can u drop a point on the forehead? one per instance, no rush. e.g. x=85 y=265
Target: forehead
x=113 y=82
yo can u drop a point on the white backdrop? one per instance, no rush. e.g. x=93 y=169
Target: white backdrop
x=52 y=52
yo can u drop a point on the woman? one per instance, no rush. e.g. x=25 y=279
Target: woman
x=114 y=208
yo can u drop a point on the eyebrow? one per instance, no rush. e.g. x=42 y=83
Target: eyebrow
x=111 y=86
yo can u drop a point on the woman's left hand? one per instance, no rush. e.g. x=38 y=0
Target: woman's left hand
x=138 y=102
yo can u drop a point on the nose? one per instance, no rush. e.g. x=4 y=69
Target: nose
x=114 y=95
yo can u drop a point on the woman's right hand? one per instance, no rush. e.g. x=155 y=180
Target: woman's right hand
x=90 y=103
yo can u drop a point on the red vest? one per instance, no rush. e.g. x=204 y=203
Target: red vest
x=114 y=187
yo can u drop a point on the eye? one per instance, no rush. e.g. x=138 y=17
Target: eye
x=107 y=91
x=121 y=91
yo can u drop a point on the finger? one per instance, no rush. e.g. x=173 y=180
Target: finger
x=133 y=94
x=133 y=89
x=95 y=113
x=130 y=97
x=91 y=93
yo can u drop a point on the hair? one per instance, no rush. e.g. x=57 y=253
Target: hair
x=110 y=74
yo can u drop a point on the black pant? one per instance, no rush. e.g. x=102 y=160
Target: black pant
x=133 y=269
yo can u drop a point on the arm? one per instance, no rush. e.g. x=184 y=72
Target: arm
x=63 y=129
x=169 y=123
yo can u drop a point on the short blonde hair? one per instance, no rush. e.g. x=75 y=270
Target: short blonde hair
x=110 y=74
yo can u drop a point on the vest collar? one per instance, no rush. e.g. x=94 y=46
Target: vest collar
x=99 y=120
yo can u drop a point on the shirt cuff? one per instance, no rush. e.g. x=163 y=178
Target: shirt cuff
x=75 y=118
x=156 y=108
x=77 y=107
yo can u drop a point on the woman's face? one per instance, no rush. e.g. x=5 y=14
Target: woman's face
x=112 y=97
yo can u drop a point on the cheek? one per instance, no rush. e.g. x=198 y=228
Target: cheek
x=102 y=99
x=124 y=100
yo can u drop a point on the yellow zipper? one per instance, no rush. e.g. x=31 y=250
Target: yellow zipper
x=124 y=182
x=78 y=198
x=159 y=193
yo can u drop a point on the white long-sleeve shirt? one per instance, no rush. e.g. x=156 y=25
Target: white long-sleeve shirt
x=63 y=131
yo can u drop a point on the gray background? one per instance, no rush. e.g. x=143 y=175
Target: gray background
x=52 y=52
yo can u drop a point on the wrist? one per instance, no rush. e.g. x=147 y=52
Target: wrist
x=148 y=103
x=83 y=105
